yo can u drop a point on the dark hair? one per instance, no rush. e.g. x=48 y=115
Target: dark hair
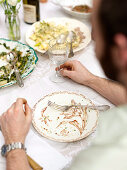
x=112 y=16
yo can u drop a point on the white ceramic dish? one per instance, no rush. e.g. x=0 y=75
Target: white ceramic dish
x=47 y=121
x=71 y=2
x=80 y=15
x=65 y=5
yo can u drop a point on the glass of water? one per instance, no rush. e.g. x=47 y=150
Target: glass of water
x=58 y=54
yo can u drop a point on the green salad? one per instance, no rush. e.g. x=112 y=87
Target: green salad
x=21 y=58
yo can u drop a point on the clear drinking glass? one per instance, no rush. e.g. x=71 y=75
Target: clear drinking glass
x=58 y=56
x=13 y=26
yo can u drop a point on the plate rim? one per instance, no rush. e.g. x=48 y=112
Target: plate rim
x=62 y=140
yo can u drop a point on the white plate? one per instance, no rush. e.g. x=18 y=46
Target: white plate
x=76 y=14
x=53 y=118
x=71 y=2
x=65 y=5
x=72 y=24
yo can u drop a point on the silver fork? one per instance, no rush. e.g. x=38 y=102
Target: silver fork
x=66 y=107
x=71 y=38
x=10 y=57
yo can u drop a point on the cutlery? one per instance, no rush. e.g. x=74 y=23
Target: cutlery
x=33 y=164
x=66 y=107
x=71 y=38
x=12 y=60
x=60 y=40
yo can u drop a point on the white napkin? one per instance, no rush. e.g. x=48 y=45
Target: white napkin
x=44 y=154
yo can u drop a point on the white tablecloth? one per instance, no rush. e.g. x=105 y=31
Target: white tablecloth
x=37 y=85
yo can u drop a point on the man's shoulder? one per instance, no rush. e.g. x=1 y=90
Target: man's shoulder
x=112 y=124
x=117 y=114
x=109 y=149
x=118 y=109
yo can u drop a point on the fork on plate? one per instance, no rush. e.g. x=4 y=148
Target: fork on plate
x=65 y=108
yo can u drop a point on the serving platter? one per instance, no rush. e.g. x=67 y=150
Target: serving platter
x=71 y=25
x=24 y=50
x=69 y=126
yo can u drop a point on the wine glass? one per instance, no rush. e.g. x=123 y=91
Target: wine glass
x=58 y=54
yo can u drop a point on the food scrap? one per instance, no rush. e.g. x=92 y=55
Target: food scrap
x=82 y=9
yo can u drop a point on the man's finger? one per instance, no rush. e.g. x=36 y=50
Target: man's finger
x=66 y=73
x=65 y=68
x=57 y=68
x=67 y=64
x=19 y=105
x=28 y=112
x=20 y=102
x=27 y=109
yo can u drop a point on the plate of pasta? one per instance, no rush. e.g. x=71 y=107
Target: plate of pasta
x=43 y=32
x=72 y=125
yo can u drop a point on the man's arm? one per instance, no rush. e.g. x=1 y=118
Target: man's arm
x=113 y=91
x=17 y=160
x=15 y=124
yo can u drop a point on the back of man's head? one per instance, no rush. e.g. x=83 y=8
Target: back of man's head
x=112 y=18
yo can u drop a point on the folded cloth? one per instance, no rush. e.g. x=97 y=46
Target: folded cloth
x=45 y=155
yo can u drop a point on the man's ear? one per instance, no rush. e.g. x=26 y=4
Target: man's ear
x=121 y=43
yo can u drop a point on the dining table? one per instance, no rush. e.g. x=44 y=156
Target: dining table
x=51 y=155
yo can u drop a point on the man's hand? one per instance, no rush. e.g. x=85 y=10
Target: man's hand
x=16 y=121
x=77 y=72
